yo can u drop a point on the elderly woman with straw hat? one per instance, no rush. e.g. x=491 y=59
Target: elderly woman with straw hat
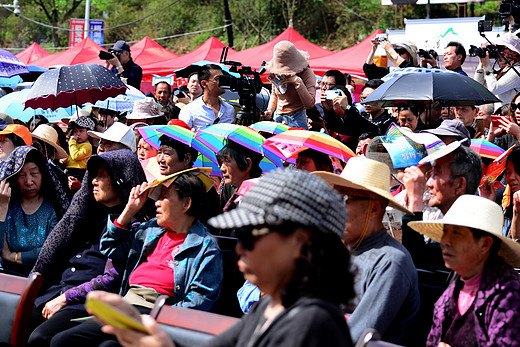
x=482 y=306
x=294 y=85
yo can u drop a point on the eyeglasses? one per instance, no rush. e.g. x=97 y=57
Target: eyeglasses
x=362 y=98
x=514 y=106
x=248 y=237
x=322 y=84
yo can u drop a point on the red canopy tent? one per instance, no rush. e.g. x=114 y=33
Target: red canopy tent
x=254 y=56
x=32 y=53
x=209 y=50
x=349 y=60
x=85 y=52
x=147 y=51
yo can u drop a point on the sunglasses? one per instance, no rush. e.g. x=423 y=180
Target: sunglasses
x=514 y=106
x=248 y=237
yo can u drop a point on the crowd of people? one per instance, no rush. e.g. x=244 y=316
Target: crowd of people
x=104 y=213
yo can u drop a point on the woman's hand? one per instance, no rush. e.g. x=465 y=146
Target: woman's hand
x=509 y=127
x=7 y=255
x=485 y=62
x=54 y=306
x=156 y=337
x=136 y=202
x=5 y=194
x=74 y=183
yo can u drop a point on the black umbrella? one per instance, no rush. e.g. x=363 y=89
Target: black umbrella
x=446 y=88
x=74 y=85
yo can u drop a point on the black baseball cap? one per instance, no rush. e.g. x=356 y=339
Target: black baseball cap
x=120 y=46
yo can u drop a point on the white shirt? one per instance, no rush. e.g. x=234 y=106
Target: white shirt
x=198 y=115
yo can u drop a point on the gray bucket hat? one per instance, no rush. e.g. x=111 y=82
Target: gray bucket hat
x=288 y=195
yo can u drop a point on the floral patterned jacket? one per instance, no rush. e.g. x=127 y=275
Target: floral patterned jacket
x=496 y=308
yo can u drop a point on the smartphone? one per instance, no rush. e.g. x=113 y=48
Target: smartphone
x=331 y=94
x=381 y=37
x=479 y=125
x=495 y=120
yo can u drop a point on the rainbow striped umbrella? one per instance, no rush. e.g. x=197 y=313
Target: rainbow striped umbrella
x=215 y=137
x=206 y=157
x=269 y=127
x=291 y=142
x=486 y=149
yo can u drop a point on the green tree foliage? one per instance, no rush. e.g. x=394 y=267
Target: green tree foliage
x=333 y=24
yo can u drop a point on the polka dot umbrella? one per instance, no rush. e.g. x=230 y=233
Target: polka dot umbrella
x=74 y=85
x=10 y=65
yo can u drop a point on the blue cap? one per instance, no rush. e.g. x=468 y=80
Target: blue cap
x=121 y=46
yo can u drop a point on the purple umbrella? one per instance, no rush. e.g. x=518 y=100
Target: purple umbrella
x=10 y=65
x=74 y=85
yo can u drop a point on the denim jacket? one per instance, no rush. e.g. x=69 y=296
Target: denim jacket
x=197 y=266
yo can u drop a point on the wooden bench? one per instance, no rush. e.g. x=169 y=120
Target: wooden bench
x=17 y=295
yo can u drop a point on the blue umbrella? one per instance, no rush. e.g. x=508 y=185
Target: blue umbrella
x=13 y=104
x=10 y=65
x=10 y=81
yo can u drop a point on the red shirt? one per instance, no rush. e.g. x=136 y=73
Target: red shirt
x=157 y=271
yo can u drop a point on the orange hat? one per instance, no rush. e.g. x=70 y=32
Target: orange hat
x=20 y=131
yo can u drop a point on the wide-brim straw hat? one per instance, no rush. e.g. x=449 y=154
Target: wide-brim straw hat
x=145 y=109
x=49 y=135
x=364 y=174
x=411 y=48
x=287 y=59
x=473 y=212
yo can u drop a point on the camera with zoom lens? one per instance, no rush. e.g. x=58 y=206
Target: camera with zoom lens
x=104 y=55
x=426 y=54
x=480 y=52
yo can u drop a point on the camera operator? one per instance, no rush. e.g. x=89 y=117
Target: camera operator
x=401 y=55
x=505 y=82
x=454 y=57
x=123 y=65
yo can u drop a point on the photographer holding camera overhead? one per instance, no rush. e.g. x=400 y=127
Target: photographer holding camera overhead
x=505 y=82
x=122 y=63
x=401 y=55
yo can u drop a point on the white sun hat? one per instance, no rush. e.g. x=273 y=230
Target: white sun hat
x=473 y=212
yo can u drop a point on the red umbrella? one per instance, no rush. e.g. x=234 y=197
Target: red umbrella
x=74 y=85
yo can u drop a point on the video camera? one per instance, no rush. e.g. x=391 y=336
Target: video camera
x=247 y=86
x=510 y=8
x=429 y=53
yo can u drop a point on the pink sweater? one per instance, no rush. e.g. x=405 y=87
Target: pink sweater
x=300 y=94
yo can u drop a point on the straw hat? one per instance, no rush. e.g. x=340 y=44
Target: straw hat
x=411 y=48
x=49 y=135
x=287 y=59
x=144 y=109
x=364 y=174
x=473 y=212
